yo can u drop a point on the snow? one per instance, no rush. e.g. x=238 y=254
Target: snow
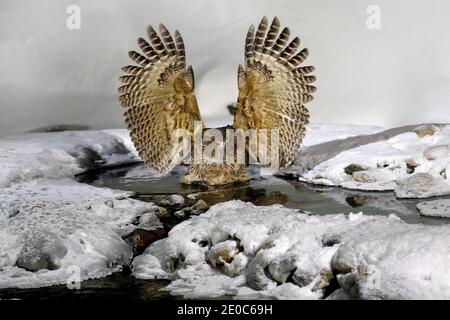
x=387 y=163
x=276 y=252
x=57 y=224
x=62 y=154
x=320 y=133
x=436 y=208
x=50 y=224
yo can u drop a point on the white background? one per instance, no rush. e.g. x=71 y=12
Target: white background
x=50 y=75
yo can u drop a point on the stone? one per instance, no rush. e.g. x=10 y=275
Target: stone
x=352 y=168
x=325 y=278
x=200 y=205
x=356 y=200
x=422 y=185
x=424 y=131
x=436 y=208
x=222 y=253
x=281 y=269
x=109 y=203
x=364 y=176
x=148 y=219
x=435 y=152
x=140 y=239
x=255 y=273
x=42 y=250
x=411 y=165
x=162 y=213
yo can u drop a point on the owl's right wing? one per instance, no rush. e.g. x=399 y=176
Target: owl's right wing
x=274 y=88
x=158 y=97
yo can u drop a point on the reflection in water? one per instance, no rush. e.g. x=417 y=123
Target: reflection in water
x=260 y=191
x=118 y=286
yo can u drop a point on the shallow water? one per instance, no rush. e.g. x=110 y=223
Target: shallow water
x=261 y=191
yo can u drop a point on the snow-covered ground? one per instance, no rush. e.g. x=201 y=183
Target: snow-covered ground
x=49 y=227
x=414 y=163
x=62 y=154
x=247 y=251
x=320 y=133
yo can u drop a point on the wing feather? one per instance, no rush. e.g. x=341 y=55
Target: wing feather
x=273 y=87
x=158 y=97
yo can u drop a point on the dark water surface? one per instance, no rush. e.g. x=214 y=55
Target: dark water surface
x=261 y=191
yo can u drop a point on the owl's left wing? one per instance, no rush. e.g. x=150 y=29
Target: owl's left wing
x=273 y=88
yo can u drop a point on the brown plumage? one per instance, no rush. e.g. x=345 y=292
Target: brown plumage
x=158 y=96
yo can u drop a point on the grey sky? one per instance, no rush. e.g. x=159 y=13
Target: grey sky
x=50 y=75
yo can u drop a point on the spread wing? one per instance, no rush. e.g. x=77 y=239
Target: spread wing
x=158 y=97
x=273 y=88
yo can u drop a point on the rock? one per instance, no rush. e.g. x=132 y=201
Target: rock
x=364 y=176
x=255 y=273
x=352 y=168
x=222 y=253
x=148 y=219
x=411 y=165
x=200 y=205
x=198 y=208
x=140 y=239
x=109 y=203
x=435 y=152
x=281 y=269
x=437 y=208
x=173 y=200
x=162 y=213
x=356 y=200
x=325 y=277
x=42 y=250
x=422 y=185
x=181 y=214
x=424 y=131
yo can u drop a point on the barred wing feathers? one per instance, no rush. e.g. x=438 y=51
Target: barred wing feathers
x=273 y=87
x=158 y=97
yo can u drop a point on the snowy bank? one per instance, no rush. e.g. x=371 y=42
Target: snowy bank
x=52 y=228
x=413 y=161
x=247 y=251
x=62 y=154
x=436 y=208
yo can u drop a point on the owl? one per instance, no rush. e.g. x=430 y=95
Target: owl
x=158 y=98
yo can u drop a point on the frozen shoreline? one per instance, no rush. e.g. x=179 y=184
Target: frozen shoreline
x=246 y=251
x=49 y=222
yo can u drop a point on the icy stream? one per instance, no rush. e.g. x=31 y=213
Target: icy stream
x=290 y=193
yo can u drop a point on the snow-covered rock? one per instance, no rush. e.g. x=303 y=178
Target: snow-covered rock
x=246 y=251
x=48 y=227
x=62 y=154
x=422 y=185
x=394 y=261
x=436 y=208
x=388 y=158
x=435 y=152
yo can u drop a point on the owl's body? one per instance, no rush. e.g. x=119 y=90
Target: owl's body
x=207 y=172
x=159 y=99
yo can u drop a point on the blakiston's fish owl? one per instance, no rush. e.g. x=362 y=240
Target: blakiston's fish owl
x=158 y=97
